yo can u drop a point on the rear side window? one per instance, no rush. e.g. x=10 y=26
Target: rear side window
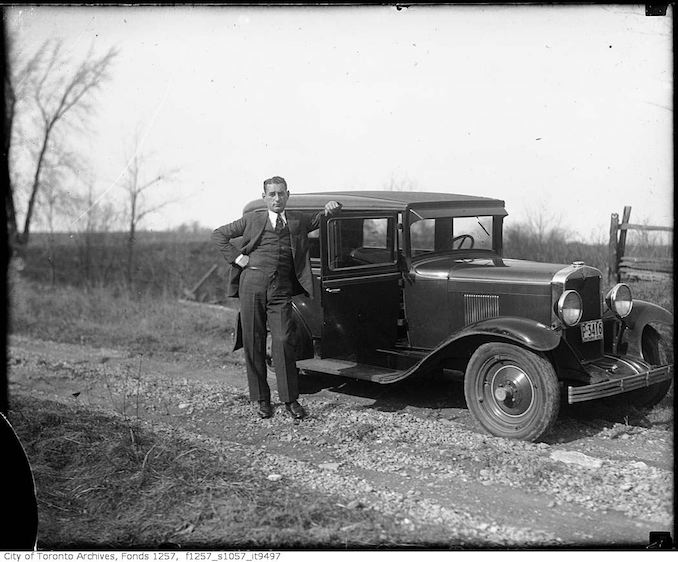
x=360 y=242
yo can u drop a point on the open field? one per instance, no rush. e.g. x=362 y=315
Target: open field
x=134 y=414
x=166 y=263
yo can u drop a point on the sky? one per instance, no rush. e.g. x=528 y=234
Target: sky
x=560 y=111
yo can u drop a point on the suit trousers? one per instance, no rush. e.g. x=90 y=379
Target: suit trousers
x=266 y=299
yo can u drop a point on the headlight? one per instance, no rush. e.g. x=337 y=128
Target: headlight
x=619 y=300
x=570 y=308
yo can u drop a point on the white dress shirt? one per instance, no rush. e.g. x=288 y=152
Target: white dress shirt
x=273 y=217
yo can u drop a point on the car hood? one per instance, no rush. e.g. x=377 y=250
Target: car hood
x=487 y=269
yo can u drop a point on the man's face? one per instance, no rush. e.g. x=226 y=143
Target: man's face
x=276 y=196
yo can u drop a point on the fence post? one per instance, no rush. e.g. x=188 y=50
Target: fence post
x=621 y=246
x=612 y=261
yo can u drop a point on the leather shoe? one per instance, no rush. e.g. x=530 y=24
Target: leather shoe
x=265 y=409
x=296 y=410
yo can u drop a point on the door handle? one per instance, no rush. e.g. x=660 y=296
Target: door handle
x=332 y=290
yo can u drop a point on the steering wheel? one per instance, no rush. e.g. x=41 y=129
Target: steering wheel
x=461 y=239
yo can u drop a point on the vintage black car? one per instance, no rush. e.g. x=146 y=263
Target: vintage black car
x=408 y=283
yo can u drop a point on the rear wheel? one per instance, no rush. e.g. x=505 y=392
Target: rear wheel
x=302 y=345
x=270 y=369
x=512 y=392
x=655 y=352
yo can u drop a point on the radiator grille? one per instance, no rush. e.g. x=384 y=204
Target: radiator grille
x=589 y=289
x=479 y=307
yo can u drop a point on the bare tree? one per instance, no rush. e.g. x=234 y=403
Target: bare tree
x=57 y=197
x=14 y=84
x=93 y=220
x=46 y=97
x=136 y=183
x=51 y=195
x=90 y=227
x=403 y=183
x=546 y=226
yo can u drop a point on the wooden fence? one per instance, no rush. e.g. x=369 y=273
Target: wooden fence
x=634 y=267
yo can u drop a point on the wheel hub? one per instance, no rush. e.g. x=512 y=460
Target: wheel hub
x=504 y=394
x=512 y=390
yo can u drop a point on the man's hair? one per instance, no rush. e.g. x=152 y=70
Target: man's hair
x=275 y=180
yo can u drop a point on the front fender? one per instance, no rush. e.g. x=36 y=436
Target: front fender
x=642 y=314
x=508 y=329
x=511 y=329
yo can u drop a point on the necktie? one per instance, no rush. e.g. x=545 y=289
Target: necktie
x=279 y=224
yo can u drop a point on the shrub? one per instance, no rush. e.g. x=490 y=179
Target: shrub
x=551 y=246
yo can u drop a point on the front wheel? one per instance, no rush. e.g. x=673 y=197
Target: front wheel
x=512 y=392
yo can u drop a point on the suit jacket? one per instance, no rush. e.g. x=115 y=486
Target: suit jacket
x=250 y=227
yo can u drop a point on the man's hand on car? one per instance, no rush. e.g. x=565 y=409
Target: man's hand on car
x=332 y=207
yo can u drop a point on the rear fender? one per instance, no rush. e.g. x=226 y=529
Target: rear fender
x=237 y=336
x=303 y=339
x=642 y=314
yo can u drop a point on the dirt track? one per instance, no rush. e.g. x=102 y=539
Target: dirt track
x=410 y=449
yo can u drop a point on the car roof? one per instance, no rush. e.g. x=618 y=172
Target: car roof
x=385 y=200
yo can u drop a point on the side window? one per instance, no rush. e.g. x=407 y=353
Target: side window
x=431 y=235
x=360 y=242
x=422 y=236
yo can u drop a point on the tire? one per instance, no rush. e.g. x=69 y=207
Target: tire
x=512 y=392
x=655 y=353
x=270 y=368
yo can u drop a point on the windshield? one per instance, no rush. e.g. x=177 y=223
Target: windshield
x=446 y=233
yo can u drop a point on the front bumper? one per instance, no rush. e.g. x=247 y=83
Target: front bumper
x=624 y=375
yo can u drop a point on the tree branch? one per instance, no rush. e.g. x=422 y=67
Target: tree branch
x=55 y=95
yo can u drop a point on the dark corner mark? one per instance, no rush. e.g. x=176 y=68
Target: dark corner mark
x=20 y=530
x=656 y=9
x=660 y=540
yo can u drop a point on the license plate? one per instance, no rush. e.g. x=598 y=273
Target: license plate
x=591 y=331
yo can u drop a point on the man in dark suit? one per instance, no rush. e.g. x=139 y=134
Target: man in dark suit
x=271 y=266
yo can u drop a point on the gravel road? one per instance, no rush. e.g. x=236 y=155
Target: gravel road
x=410 y=450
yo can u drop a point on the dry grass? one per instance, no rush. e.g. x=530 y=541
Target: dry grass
x=656 y=292
x=97 y=317
x=106 y=482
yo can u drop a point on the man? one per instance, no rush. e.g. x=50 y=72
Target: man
x=271 y=267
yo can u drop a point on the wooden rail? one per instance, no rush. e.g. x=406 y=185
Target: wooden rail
x=633 y=267
x=194 y=294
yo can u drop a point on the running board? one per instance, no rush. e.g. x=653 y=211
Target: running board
x=352 y=370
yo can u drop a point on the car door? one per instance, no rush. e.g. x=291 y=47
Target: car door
x=360 y=285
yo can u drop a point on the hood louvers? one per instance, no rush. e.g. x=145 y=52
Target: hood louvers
x=480 y=307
